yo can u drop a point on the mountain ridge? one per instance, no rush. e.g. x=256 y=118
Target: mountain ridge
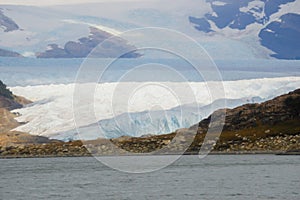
x=234 y=27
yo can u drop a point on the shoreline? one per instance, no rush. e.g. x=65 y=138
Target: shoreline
x=155 y=146
x=277 y=153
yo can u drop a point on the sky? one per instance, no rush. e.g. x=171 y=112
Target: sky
x=54 y=2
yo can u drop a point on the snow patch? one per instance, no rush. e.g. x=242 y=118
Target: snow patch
x=218 y=3
x=28 y=54
x=103 y=28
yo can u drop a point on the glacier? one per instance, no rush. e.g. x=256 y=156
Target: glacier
x=51 y=114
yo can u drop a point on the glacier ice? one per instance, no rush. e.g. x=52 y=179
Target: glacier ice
x=51 y=114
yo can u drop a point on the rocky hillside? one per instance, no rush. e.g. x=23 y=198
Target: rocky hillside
x=251 y=123
x=8 y=102
x=278 y=111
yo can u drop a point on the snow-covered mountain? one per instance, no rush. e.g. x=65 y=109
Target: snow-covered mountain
x=275 y=22
x=238 y=15
x=227 y=29
x=46 y=33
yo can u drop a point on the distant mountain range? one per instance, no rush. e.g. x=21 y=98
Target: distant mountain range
x=227 y=29
x=77 y=48
x=84 y=46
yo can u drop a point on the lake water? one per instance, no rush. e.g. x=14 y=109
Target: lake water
x=29 y=71
x=215 y=177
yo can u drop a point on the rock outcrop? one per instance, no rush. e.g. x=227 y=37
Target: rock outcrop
x=282 y=37
x=6 y=53
x=7 y=23
x=8 y=102
x=84 y=46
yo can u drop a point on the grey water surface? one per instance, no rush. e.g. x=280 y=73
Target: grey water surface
x=215 y=177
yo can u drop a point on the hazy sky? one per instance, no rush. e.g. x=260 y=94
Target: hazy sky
x=55 y=2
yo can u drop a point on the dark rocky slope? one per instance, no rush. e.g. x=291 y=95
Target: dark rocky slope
x=247 y=126
x=8 y=102
x=6 y=53
x=7 y=23
x=282 y=37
